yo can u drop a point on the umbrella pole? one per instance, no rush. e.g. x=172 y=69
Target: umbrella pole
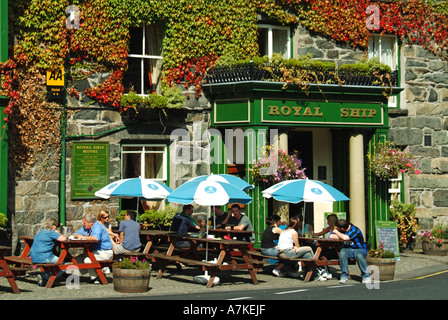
x=303 y=215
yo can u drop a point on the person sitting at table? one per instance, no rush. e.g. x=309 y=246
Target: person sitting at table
x=42 y=249
x=331 y=222
x=93 y=230
x=289 y=245
x=129 y=230
x=356 y=249
x=183 y=222
x=306 y=229
x=239 y=221
x=220 y=217
x=268 y=241
x=103 y=218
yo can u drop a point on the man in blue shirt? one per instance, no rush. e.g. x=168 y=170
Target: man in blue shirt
x=356 y=249
x=93 y=230
x=129 y=231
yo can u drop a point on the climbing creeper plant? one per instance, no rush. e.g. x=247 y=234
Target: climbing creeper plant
x=197 y=33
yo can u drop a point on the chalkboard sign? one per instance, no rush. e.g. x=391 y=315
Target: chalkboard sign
x=90 y=168
x=386 y=233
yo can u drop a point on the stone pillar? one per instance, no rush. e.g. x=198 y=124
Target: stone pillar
x=357 y=193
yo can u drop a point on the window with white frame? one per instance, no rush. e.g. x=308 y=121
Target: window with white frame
x=144 y=59
x=274 y=39
x=149 y=161
x=386 y=49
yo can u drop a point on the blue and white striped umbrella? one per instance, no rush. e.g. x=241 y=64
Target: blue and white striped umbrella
x=208 y=193
x=146 y=189
x=295 y=191
x=233 y=180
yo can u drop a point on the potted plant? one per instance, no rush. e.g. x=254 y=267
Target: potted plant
x=157 y=219
x=435 y=242
x=384 y=260
x=404 y=215
x=387 y=161
x=131 y=275
x=4 y=234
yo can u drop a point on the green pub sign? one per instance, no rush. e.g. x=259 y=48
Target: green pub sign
x=321 y=112
x=90 y=168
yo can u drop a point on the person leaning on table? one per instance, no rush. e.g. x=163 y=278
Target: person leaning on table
x=355 y=250
x=239 y=221
x=42 y=249
x=93 y=230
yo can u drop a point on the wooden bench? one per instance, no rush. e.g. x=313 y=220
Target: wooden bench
x=23 y=265
x=213 y=268
x=20 y=266
x=310 y=263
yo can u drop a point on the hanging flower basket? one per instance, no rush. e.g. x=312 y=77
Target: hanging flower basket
x=273 y=167
x=387 y=161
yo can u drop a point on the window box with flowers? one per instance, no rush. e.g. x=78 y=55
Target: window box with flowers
x=387 y=161
x=273 y=167
x=435 y=242
x=384 y=260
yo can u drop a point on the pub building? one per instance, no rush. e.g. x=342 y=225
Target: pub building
x=332 y=124
x=332 y=127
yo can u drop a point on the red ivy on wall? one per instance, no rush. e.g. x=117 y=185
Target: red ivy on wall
x=190 y=74
x=345 y=20
x=103 y=36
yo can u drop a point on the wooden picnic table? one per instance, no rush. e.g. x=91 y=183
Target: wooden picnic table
x=323 y=247
x=225 y=249
x=64 y=257
x=239 y=234
x=6 y=272
x=28 y=240
x=154 y=237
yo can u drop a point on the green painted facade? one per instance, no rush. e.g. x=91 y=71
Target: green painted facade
x=257 y=106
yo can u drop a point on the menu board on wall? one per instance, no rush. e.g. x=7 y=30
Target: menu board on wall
x=387 y=235
x=90 y=168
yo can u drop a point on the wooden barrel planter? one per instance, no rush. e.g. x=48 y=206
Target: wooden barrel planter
x=435 y=248
x=131 y=280
x=386 y=267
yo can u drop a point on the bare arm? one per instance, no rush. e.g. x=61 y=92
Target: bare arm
x=341 y=235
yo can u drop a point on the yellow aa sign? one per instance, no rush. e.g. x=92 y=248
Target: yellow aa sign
x=55 y=77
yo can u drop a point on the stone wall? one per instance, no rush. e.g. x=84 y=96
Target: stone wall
x=35 y=195
x=425 y=105
x=322 y=48
x=426 y=101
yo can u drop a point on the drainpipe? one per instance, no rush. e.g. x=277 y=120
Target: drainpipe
x=62 y=217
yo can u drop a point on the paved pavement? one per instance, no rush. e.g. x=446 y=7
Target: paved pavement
x=410 y=265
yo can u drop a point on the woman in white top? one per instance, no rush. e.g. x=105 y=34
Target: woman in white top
x=288 y=242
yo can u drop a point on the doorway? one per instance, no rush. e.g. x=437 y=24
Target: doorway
x=302 y=142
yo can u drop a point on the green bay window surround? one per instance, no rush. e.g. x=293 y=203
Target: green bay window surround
x=347 y=110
